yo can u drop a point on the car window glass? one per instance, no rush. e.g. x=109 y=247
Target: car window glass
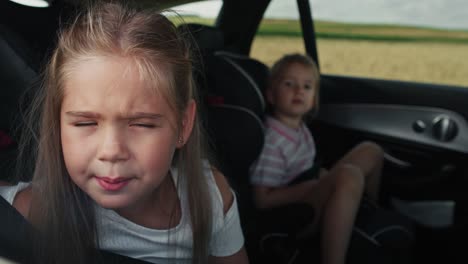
x=279 y=32
x=422 y=41
x=201 y=12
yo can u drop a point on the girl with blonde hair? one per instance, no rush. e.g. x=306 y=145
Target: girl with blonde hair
x=286 y=173
x=120 y=163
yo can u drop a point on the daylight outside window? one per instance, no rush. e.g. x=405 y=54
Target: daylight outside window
x=202 y=12
x=422 y=41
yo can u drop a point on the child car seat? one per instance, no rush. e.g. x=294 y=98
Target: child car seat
x=253 y=69
x=220 y=77
x=232 y=110
x=233 y=87
x=379 y=235
x=233 y=106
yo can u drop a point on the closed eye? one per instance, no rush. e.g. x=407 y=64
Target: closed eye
x=145 y=125
x=84 y=124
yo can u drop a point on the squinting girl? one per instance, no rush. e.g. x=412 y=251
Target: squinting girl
x=120 y=163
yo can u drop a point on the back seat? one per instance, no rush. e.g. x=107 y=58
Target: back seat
x=233 y=88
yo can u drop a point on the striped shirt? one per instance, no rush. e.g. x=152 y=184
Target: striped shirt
x=286 y=153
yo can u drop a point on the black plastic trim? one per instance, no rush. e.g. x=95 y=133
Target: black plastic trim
x=395 y=121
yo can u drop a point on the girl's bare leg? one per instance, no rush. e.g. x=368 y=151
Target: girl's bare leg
x=369 y=158
x=337 y=199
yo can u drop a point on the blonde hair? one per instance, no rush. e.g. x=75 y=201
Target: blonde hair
x=279 y=67
x=61 y=210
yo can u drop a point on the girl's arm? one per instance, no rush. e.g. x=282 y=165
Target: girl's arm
x=223 y=186
x=270 y=197
x=22 y=199
x=22 y=202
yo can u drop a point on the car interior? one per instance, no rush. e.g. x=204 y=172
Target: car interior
x=421 y=126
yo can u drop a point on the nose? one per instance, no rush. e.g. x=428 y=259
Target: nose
x=298 y=88
x=114 y=146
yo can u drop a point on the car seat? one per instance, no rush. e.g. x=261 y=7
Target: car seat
x=253 y=70
x=379 y=235
x=231 y=84
x=232 y=106
x=215 y=70
x=232 y=117
x=18 y=74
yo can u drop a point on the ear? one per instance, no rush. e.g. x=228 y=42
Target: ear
x=188 y=120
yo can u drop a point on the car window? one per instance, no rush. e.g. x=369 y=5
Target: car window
x=202 y=12
x=279 y=33
x=421 y=41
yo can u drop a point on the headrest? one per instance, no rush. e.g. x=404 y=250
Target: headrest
x=208 y=38
x=228 y=82
x=237 y=133
x=255 y=68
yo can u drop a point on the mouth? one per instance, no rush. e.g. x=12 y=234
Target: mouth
x=297 y=101
x=112 y=184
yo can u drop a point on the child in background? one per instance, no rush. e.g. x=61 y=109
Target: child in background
x=120 y=163
x=285 y=173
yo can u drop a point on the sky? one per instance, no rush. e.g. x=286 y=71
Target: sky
x=445 y=14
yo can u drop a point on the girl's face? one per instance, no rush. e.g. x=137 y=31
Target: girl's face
x=118 y=137
x=293 y=94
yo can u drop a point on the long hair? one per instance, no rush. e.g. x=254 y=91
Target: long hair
x=279 y=67
x=61 y=211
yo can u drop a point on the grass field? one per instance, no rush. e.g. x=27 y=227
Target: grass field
x=389 y=33
x=442 y=63
x=375 y=51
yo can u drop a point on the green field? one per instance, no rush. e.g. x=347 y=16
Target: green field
x=349 y=31
x=191 y=19
x=334 y=30
x=376 y=51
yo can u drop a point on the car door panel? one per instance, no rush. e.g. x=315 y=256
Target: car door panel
x=413 y=124
x=420 y=164
x=342 y=89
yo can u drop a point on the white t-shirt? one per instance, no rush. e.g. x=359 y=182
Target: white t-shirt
x=121 y=236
